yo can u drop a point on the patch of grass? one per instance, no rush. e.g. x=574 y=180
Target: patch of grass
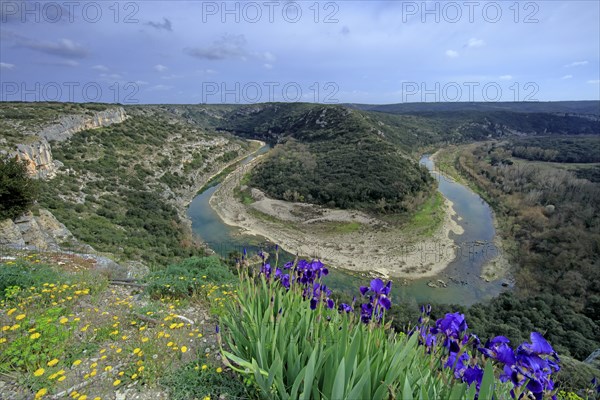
x=243 y=195
x=54 y=335
x=189 y=278
x=201 y=379
x=428 y=219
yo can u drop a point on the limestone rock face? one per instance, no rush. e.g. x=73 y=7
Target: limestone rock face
x=38 y=154
x=71 y=124
x=10 y=234
x=44 y=232
x=38 y=157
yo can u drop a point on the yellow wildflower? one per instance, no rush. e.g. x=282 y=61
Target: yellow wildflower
x=76 y=363
x=117 y=382
x=183 y=349
x=39 y=372
x=41 y=393
x=53 y=362
x=63 y=320
x=35 y=336
x=12 y=310
x=20 y=317
x=219 y=370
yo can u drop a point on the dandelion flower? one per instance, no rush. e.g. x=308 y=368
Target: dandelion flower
x=183 y=349
x=53 y=362
x=62 y=378
x=2 y=340
x=134 y=376
x=12 y=310
x=219 y=370
x=39 y=372
x=117 y=382
x=76 y=363
x=41 y=393
x=63 y=320
x=204 y=367
x=82 y=397
x=35 y=336
x=20 y=317
x=136 y=350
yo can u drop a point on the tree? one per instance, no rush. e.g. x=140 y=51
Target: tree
x=17 y=190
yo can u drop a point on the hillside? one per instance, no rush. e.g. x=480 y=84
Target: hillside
x=120 y=184
x=591 y=108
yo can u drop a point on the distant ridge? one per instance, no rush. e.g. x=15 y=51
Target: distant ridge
x=588 y=107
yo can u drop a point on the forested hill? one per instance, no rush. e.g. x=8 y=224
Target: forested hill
x=591 y=107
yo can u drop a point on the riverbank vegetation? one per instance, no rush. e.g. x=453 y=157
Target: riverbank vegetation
x=552 y=216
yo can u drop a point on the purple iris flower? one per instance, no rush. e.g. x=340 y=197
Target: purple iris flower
x=345 y=308
x=452 y=325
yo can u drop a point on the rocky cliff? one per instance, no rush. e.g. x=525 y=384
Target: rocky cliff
x=68 y=125
x=38 y=153
x=38 y=157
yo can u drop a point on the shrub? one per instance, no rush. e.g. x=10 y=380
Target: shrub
x=17 y=190
x=187 y=278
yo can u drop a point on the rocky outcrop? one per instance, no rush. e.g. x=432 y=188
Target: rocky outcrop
x=38 y=157
x=68 y=125
x=38 y=154
x=42 y=232
x=10 y=234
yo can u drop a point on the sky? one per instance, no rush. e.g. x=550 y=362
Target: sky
x=376 y=52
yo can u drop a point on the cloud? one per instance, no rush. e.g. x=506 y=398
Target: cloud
x=452 y=53
x=475 y=43
x=594 y=81
x=166 y=25
x=228 y=46
x=100 y=68
x=160 y=68
x=63 y=48
x=268 y=66
x=576 y=64
x=141 y=83
x=269 y=57
x=161 y=87
x=111 y=76
x=505 y=77
x=172 y=76
x=4 y=65
x=567 y=77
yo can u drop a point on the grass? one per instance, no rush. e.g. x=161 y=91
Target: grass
x=429 y=218
x=71 y=332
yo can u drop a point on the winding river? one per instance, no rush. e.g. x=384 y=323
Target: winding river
x=459 y=283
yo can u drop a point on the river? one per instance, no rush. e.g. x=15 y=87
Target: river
x=462 y=277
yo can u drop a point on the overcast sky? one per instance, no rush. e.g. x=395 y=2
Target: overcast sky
x=343 y=51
